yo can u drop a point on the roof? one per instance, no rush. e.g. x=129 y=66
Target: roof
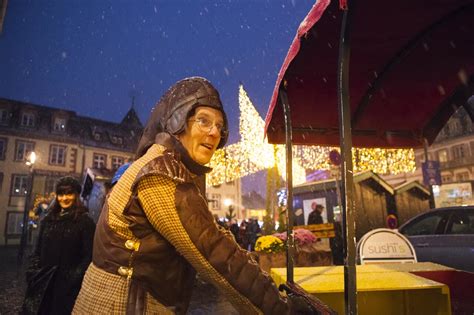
x=409 y=71
x=81 y=129
x=131 y=119
x=411 y=185
x=331 y=183
x=253 y=200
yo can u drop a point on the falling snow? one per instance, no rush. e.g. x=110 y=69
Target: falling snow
x=92 y=55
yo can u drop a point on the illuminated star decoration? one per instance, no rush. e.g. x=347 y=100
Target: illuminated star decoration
x=253 y=153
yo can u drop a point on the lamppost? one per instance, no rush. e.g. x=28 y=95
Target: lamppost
x=30 y=162
x=229 y=204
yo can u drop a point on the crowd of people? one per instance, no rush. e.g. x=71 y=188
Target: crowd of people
x=245 y=234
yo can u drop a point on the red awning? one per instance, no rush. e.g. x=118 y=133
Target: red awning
x=411 y=67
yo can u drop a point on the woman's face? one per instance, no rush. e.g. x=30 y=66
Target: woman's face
x=66 y=200
x=199 y=139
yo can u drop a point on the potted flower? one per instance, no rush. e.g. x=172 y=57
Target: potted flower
x=270 y=252
x=269 y=244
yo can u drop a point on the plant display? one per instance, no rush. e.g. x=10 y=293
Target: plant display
x=301 y=236
x=269 y=244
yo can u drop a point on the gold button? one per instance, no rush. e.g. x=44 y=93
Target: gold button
x=125 y=272
x=132 y=245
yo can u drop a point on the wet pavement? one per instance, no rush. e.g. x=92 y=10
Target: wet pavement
x=12 y=281
x=205 y=300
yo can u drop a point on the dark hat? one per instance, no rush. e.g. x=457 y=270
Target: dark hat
x=68 y=184
x=176 y=105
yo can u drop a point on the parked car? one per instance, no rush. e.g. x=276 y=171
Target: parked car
x=444 y=236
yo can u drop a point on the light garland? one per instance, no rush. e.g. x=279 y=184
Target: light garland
x=253 y=153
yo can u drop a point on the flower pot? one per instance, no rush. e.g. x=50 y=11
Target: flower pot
x=309 y=255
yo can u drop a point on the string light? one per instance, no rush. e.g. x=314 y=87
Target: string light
x=253 y=153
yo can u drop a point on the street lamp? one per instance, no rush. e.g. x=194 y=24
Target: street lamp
x=227 y=202
x=30 y=162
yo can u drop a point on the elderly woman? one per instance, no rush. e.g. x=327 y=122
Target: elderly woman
x=155 y=231
x=62 y=253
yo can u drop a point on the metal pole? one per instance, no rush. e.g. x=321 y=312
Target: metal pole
x=338 y=189
x=24 y=229
x=348 y=211
x=431 y=200
x=290 y=253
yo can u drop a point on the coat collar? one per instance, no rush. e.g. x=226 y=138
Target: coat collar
x=171 y=143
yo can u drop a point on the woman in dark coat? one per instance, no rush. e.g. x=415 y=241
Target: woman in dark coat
x=61 y=255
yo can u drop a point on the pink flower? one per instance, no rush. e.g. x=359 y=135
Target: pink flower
x=302 y=237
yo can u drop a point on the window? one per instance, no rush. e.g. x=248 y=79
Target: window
x=117 y=161
x=14 y=223
x=461 y=222
x=23 y=149
x=459 y=152
x=117 y=140
x=19 y=185
x=28 y=119
x=430 y=224
x=49 y=185
x=446 y=179
x=3 y=148
x=59 y=124
x=455 y=126
x=99 y=160
x=461 y=177
x=57 y=154
x=97 y=136
x=3 y=116
x=215 y=201
x=443 y=155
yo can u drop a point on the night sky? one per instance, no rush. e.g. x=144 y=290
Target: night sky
x=92 y=56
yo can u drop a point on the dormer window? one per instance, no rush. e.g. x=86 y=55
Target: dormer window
x=117 y=140
x=59 y=124
x=97 y=136
x=28 y=119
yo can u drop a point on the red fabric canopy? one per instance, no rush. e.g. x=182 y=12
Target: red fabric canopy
x=411 y=67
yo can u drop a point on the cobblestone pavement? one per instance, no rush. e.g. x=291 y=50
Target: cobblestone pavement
x=205 y=300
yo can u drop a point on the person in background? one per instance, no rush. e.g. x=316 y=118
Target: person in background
x=220 y=222
x=253 y=232
x=315 y=215
x=234 y=229
x=62 y=253
x=244 y=241
x=156 y=231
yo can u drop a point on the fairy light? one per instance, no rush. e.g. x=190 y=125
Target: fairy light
x=253 y=153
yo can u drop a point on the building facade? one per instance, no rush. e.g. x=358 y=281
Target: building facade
x=453 y=149
x=221 y=197
x=64 y=144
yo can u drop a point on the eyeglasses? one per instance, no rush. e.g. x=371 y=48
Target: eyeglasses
x=205 y=125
